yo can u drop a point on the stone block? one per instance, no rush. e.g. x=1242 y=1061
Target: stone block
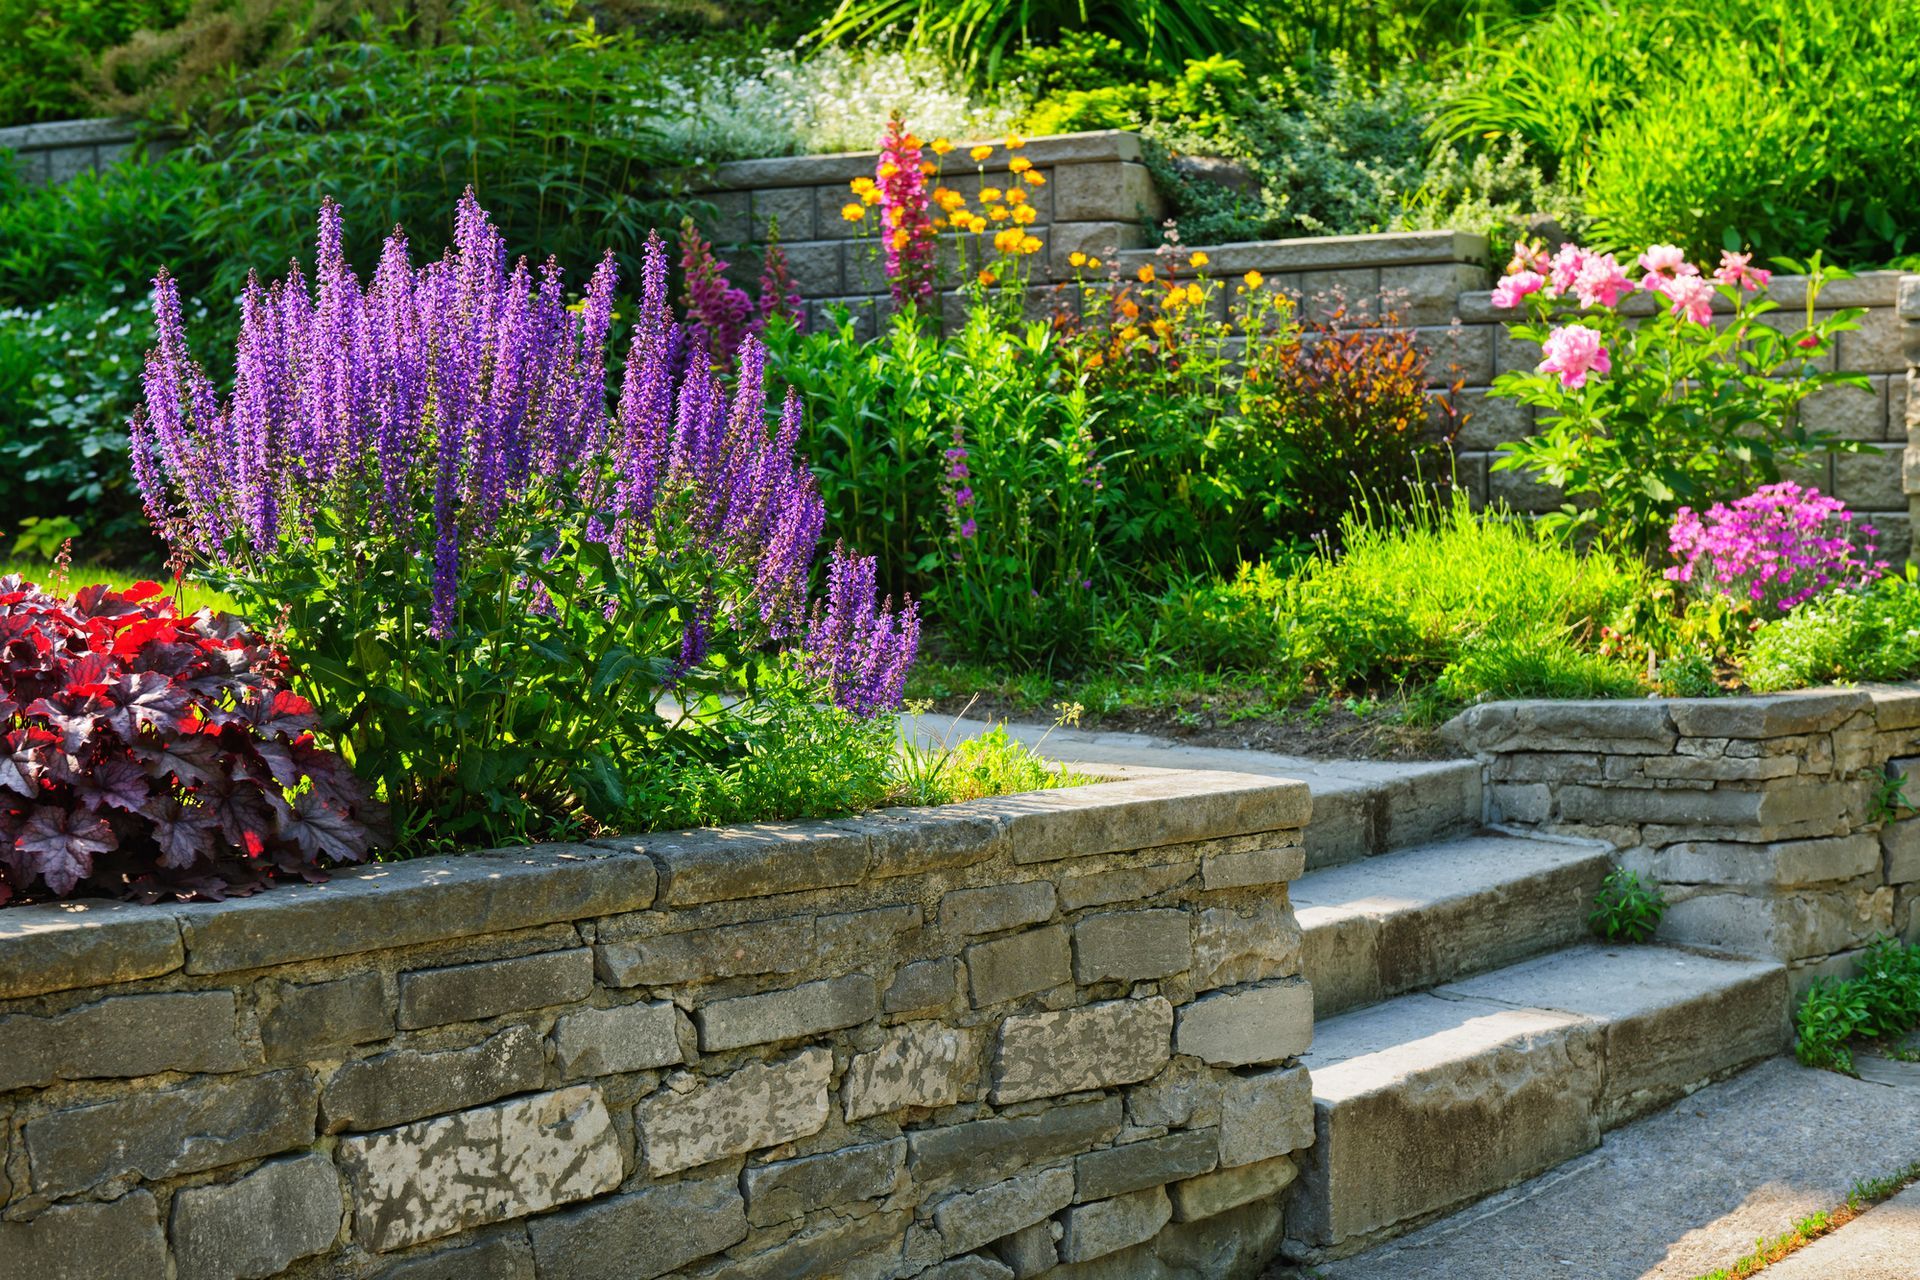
x=692 y=1122
x=1111 y=192
x=628 y=1037
x=310 y=1016
x=405 y=1084
x=814 y=267
x=968 y=1221
x=1011 y=967
x=470 y=992
x=1720 y=807
x=1103 y=817
x=864 y=934
x=56 y=946
x=435 y=1177
x=997 y=907
x=798 y=1013
x=118 y=1240
x=257 y=1225
x=1245 y=944
x=795 y=1188
x=982 y=1151
x=507 y=1257
x=1253 y=868
x=908 y=841
x=1875 y=347
x=754 y=860
x=1623 y=727
x=122 y=1036
x=1768 y=716
x=1108 y=1226
x=866 y=1247
x=1129 y=884
x=1430 y=292
x=639 y=1236
x=163 y=1132
x=972 y=1267
x=1784 y=863
x=729 y=223
x=783 y=213
x=400 y=904
x=700 y=955
x=1185 y=1095
x=1131 y=946
x=1488 y=421
x=1215 y=1193
x=924 y=984
x=1030 y=1251
x=1268 y=1023
x=1849 y=412
x=1900 y=843
x=921 y=1064
x=1870 y=481
x=1153 y=1162
x=1462 y=353
x=1112 y=1042
x=1265 y=1115
x=1799 y=924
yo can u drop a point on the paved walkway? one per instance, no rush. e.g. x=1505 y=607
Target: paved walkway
x=1689 y=1189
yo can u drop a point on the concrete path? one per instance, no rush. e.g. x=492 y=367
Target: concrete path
x=1691 y=1188
x=1881 y=1244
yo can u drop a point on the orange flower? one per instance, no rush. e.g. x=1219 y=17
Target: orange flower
x=998 y=213
x=1095 y=360
x=987 y=277
x=1007 y=241
x=1076 y=259
x=887 y=169
x=980 y=153
x=928 y=168
x=977 y=225
x=1016 y=196
x=1019 y=164
x=853 y=212
x=1254 y=279
x=861 y=185
x=1198 y=259
x=1129 y=333
x=1034 y=178
x=989 y=194
x=1145 y=273
x=941 y=146
x=1025 y=214
x=1129 y=308
x=1015 y=142
x=1031 y=244
x=1195 y=294
x=1093 y=263
x=871 y=195
x=900 y=238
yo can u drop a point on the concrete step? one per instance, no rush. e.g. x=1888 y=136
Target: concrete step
x=1360 y=807
x=1430 y=1101
x=1405 y=921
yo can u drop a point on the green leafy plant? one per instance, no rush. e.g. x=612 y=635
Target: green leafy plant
x=48 y=46
x=1881 y=1000
x=1627 y=908
x=1850 y=635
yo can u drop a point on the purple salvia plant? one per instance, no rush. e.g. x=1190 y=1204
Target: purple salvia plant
x=461 y=404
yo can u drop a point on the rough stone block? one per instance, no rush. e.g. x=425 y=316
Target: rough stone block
x=922 y=1064
x=1030 y=1251
x=864 y=934
x=1130 y=884
x=795 y=1188
x=1720 y=807
x=699 y=955
x=629 y=1037
x=1232 y=945
x=924 y=984
x=1254 y=1024
x=122 y=1036
x=1784 y=863
x=1011 y=967
x=470 y=992
x=971 y=1220
x=1111 y=192
x=508 y=1160
x=795 y=1014
x=1153 y=1162
x=981 y=1151
x=692 y=1122
x=1265 y=1115
x=1215 y=1193
x=1623 y=727
x=118 y=1240
x=1429 y=293
x=1800 y=924
x=1184 y=1096
x=507 y=1257
x=783 y=212
x=993 y=908
x=972 y=1267
x=1900 y=842
x=406 y=1084
x=640 y=1236
x=256 y=1225
x=311 y=1016
x=57 y=946
x=1108 y=1226
x=1255 y=867
x=1768 y=716
x=164 y=1132
x=1131 y=946
x=866 y=1247
x=1112 y=1042
x=755 y=860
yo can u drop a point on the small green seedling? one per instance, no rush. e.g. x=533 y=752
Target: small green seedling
x=1627 y=908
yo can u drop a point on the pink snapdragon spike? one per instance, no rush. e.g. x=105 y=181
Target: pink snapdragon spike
x=1573 y=352
x=1733 y=269
x=1778 y=547
x=1514 y=287
x=1601 y=282
x=906 y=226
x=1689 y=296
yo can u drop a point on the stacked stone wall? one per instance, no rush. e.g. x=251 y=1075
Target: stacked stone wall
x=1773 y=824
x=1048 y=1033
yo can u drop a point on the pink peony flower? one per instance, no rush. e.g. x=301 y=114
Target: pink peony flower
x=1573 y=352
x=1690 y=296
x=1515 y=287
x=1566 y=266
x=1665 y=261
x=1733 y=269
x=1601 y=282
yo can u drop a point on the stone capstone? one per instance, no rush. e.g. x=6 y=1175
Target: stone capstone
x=920 y=1064
x=692 y=1122
x=257 y=1225
x=508 y=1160
x=1112 y=1042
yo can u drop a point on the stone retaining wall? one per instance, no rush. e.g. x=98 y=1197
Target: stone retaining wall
x=1099 y=199
x=984 y=1040
x=63 y=149
x=1763 y=818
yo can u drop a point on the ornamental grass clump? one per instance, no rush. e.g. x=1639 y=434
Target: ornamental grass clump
x=143 y=753
x=511 y=598
x=1776 y=548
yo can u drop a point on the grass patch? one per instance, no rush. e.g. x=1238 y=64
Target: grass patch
x=190 y=595
x=1864 y=1195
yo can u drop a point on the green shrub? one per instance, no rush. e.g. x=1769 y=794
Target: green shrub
x=105 y=229
x=1857 y=635
x=1627 y=908
x=1882 y=999
x=47 y=46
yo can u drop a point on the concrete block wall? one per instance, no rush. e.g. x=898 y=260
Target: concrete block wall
x=1058 y=1030
x=1762 y=818
x=63 y=149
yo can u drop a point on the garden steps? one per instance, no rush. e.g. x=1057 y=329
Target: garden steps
x=1432 y=1100
x=1407 y=920
x=1361 y=808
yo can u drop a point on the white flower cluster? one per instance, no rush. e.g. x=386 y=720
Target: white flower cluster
x=838 y=99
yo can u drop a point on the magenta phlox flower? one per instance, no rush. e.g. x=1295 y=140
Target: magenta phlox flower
x=1574 y=352
x=1777 y=548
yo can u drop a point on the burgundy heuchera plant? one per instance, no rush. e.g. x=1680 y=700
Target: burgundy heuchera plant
x=144 y=753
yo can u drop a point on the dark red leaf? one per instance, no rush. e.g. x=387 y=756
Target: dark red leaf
x=146 y=699
x=322 y=831
x=102 y=601
x=280 y=713
x=62 y=843
x=119 y=784
x=189 y=757
x=184 y=833
x=245 y=812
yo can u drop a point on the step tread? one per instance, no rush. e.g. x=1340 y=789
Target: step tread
x=1610 y=983
x=1412 y=878
x=1378 y=1047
